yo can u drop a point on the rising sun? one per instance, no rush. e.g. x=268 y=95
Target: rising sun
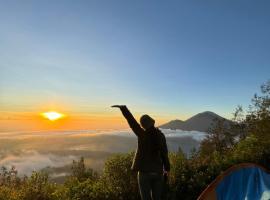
x=52 y=115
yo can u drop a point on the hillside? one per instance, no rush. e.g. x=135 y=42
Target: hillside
x=199 y=122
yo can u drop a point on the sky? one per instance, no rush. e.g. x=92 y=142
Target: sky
x=170 y=59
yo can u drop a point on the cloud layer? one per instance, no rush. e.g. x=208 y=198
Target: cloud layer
x=33 y=151
x=28 y=161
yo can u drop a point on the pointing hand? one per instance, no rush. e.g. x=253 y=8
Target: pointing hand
x=118 y=106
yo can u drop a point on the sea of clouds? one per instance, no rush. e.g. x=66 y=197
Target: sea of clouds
x=196 y=135
x=28 y=160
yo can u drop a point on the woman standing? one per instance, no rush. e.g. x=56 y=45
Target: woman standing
x=151 y=158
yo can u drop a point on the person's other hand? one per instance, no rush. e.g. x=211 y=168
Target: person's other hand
x=118 y=106
x=166 y=173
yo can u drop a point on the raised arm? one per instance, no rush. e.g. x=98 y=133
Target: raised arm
x=133 y=124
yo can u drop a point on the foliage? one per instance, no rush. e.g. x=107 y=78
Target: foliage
x=119 y=178
x=220 y=138
x=81 y=172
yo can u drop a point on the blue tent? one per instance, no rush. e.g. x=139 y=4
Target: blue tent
x=245 y=181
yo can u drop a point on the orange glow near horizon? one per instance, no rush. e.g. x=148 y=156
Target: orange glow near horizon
x=40 y=120
x=52 y=115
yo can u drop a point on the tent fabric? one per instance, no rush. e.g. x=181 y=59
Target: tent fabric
x=245 y=181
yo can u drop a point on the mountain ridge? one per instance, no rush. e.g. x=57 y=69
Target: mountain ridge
x=200 y=122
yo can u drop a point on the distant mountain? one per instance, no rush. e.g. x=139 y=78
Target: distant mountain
x=200 y=122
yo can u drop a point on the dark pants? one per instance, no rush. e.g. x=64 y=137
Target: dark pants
x=150 y=185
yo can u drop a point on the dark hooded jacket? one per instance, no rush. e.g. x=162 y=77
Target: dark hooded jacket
x=152 y=152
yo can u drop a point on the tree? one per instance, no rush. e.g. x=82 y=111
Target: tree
x=219 y=139
x=80 y=171
x=258 y=118
x=119 y=178
x=37 y=187
x=9 y=177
